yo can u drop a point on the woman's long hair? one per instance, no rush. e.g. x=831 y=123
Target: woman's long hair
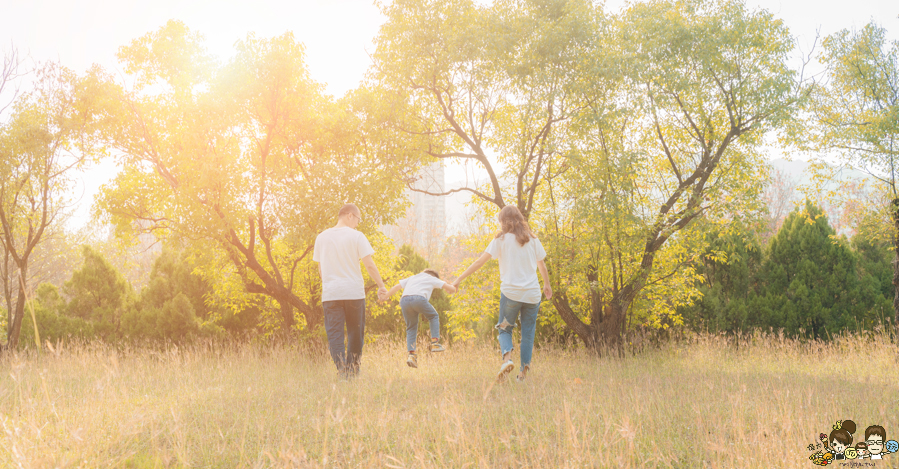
x=512 y=221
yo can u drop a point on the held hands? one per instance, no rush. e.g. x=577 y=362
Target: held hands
x=382 y=294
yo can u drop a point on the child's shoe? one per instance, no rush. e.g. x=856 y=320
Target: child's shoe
x=412 y=360
x=436 y=347
x=504 y=371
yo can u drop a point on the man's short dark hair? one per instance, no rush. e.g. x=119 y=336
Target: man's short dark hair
x=876 y=430
x=348 y=209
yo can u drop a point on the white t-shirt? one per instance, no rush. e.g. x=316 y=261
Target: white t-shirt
x=421 y=284
x=518 y=267
x=338 y=252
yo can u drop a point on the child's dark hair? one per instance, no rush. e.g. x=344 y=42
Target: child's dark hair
x=431 y=272
x=844 y=433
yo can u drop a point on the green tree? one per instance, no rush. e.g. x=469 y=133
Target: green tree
x=729 y=272
x=162 y=314
x=50 y=132
x=410 y=261
x=173 y=275
x=52 y=261
x=810 y=280
x=615 y=133
x=677 y=102
x=250 y=159
x=854 y=116
x=52 y=323
x=484 y=86
x=98 y=294
x=875 y=267
x=170 y=303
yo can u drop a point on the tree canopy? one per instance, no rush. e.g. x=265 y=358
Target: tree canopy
x=853 y=117
x=249 y=157
x=633 y=142
x=52 y=130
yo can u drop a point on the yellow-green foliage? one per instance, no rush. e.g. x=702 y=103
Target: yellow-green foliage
x=700 y=403
x=476 y=304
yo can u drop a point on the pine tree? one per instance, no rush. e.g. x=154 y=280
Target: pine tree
x=876 y=273
x=729 y=268
x=98 y=293
x=809 y=280
x=52 y=325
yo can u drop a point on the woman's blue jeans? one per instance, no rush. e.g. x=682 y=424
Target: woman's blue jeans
x=509 y=313
x=412 y=306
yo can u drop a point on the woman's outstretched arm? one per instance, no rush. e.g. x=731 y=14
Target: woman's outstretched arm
x=547 y=290
x=473 y=268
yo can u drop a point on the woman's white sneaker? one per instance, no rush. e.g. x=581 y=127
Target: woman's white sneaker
x=504 y=371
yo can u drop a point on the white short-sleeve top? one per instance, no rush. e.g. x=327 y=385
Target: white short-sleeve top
x=518 y=267
x=338 y=252
x=420 y=284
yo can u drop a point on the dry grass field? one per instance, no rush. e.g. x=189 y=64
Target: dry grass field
x=697 y=403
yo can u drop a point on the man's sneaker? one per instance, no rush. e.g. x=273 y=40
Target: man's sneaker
x=504 y=371
x=412 y=361
x=436 y=347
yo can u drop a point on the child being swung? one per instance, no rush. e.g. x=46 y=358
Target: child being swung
x=416 y=300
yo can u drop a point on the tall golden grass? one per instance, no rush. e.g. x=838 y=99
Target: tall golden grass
x=706 y=401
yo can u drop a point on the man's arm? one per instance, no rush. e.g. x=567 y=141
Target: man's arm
x=372 y=269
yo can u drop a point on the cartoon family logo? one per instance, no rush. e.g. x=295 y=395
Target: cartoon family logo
x=839 y=444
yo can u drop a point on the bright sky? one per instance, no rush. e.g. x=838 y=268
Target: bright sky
x=337 y=33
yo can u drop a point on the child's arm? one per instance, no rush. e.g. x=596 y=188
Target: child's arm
x=393 y=290
x=448 y=288
x=473 y=268
x=547 y=290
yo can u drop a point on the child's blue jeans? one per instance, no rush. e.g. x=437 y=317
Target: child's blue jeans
x=412 y=306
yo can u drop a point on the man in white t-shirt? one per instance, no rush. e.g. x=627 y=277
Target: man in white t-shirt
x=338 y=251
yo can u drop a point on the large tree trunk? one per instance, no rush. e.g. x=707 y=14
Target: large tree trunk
x=12 y=337
x=287 y=315
x=610 y=326
x=605 y=333
x=244 y=257
x=9 y=315
x=585 y=332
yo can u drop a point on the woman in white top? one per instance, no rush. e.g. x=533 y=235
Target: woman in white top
x=520 y=256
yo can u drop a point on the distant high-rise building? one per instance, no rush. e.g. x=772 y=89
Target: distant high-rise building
x=424 y=225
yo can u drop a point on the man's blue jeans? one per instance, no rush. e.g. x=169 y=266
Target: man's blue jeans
x=349 y=313
x=509 y=312
x=413 y=305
